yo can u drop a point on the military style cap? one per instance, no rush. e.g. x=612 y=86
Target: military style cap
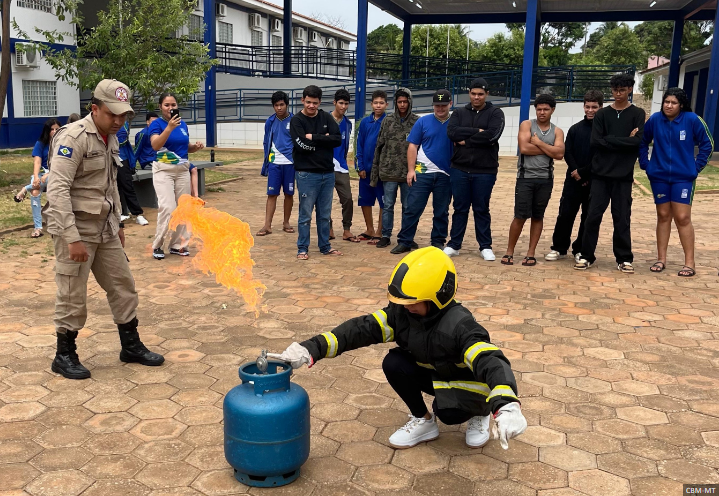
x=115 y=95
x=441 y=97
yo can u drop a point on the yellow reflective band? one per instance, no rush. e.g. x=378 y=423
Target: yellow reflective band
x=502 y=391
x=426 y=365
x=387 y=331
x=471 y=386
x=474 y=350
x=331 y=345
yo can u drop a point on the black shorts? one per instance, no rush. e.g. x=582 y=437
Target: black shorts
x=531 y=197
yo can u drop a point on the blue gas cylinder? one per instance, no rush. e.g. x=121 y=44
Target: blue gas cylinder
x=267 y=426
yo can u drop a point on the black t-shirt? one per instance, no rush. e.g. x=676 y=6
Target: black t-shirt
x=615 y=152
x=314 y=155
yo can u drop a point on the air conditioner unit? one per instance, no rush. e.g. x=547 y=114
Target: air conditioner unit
x=298 y=33
x=27 y=56
x=221 y=10
x=330 y=43
x=276 y=25
x=343 y=45
x=315 y=36
x=255 y=21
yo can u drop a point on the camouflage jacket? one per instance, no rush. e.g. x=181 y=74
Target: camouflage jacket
x=390 y=156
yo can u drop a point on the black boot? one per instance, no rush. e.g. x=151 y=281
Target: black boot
x=133 y=351
x=66 y=362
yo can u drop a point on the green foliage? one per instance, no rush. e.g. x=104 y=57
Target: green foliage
x=135 y=42
x=656 y=36
x=647 y=86
x=620 y=46
x=503 y=49
x=556 y=39
x=384 y=39
x=597 y=35
x=458 y=35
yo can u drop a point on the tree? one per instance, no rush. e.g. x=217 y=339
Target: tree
x=5 y=56
x=620 y=46
x=656 y=36
x=384 y=39
x=331 y=20
x=503 y=49
x=438 y=41
x=136 y=42
x=597 y=35
x=556 y=39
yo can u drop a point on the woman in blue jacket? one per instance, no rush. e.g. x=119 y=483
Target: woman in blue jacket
x=673 y=169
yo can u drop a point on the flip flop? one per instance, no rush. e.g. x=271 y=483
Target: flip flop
x=334 y=253
x=529 y=261
x=290 y=230
x=364 y=237
x=353 y=239
x=303 y=256
x=658 y=266
x=374 y=241
x=37 y=233
x=263 y=232
x=687 y=272
x=507 y=260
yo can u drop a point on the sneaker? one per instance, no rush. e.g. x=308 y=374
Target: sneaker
x=184 y=252
x=577 y=257
x=383 y=243
x=450 y=252
x=625 y=267
x=488 y=254
x=124 y=217
x=477 y=432
x=555 y=255
x=141 y=220
x=582 y=264
x=417 y=430
x=400 y=248
x=158 y=254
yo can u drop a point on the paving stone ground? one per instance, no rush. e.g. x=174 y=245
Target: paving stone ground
x=618 y=374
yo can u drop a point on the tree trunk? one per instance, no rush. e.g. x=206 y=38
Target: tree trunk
x=5 y=70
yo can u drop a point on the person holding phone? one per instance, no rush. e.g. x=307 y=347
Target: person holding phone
x=170 y=138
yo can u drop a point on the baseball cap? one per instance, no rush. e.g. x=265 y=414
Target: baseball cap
x=115 y=95
x=441 y=97
x=479 y=83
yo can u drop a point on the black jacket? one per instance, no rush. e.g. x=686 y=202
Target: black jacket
x=480 y=153
x=615 y=152
x=467 y=370
x=314 y=155
x=578 y=152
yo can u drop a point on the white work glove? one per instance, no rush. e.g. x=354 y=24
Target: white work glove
x=508 y=423
x=295 y=354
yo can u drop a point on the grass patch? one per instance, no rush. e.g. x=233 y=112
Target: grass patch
x=215 y=189
x=708 y=179
x=15 y=168
x=14 y=214
x=213 y=176
x=229 y=156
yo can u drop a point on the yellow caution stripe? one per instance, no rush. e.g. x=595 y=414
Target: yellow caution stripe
x=332 y=345
x=475 y=350
x=387 y=331
x=471 y=386
x=426 y=365
x=502 y=391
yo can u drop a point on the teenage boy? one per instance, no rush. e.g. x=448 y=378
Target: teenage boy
x=540 y=144
x=144 y=152
x=314 y=134
x=342 y=173
x=475 y=130
x=277 y=165
x=428 y=157
x=128 y=198
x=366 y=144
x=575 y=193
x=616 y=136
x=390 y=160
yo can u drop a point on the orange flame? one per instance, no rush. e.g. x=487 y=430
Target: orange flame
x=224 y=249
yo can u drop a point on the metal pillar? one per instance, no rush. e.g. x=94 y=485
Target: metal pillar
x=361 y=78
x=712 y=99
x=287 y=39
x=531 y=52
x=210 y=87
x=674 y=67
x=406 y=49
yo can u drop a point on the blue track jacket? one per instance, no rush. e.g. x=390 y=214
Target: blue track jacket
x=339 y=154
x=126 y=151
x=367 y=142
x=282 y=140
x=673 y=152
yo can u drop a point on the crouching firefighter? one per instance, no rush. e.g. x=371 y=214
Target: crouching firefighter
x=441 y=350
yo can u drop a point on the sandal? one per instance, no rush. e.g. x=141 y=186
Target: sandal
x=374 y=241
x=290 y=230
x=658 y=266
x=625 y=267
x=364 y=237
x=334 y=252
x=529 y=261
x=507 y=260
x=687 y=272
x=303 y=256
x=20 y=195
x=352 y=239
x=263 y=232
x=37 y=233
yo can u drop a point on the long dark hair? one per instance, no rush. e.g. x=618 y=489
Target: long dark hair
x=167 y=95
x=684 y=104
x=46 y=128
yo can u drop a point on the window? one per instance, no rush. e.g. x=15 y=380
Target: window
x=39 y=98
x=276 y=41
x=256 y=38
x=224 y=32
x=41 y=5
x=197 y=28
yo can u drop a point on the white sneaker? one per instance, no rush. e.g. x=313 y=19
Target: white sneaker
x=477 y=432
x=488 y=255
x=124 y=217
x=554 y=255
x=577 y=257
x=417 y=430
x=450 y=252
x=141 y=220
x=582 y=264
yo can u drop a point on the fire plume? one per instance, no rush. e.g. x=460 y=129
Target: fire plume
x=224 y=248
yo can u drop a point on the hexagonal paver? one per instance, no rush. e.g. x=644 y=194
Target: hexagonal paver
x=168 y=450
x=116 y=486
x=655 y=486
x=21 y=394
x=349 y=431
x=567 y=458
x=621 y=429
x=593 y=442
x=382 y=478
x=589 y=384
x=328 y=470
x=330 y=412
x=541 y=436
x=164 y=475
x=641 y=415
x=689 y=473
x=538 y=475
x=219 y=482
x=155 y=409
x=420 y=459
x=478 y=467
x=18 y=451
x=16 y=412
x=61 y=483
x=113 y=466
x=626 y=465
x=636 y=388
x=208 y=458
x=599 y=483
x=156 y=430
x=103 y=423
x=110 y=403
x=368 y=401
x=365 y=453
x=196 y=397
x=63 y=436
x=112 y=444
x=677 y=435
x=51 y=460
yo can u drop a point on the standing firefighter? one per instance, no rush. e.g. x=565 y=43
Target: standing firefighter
x=83 y=216
x=442 y=351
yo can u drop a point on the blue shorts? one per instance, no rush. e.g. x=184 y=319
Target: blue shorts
x=368 y=194
x=280 y=176
x=679 y=192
